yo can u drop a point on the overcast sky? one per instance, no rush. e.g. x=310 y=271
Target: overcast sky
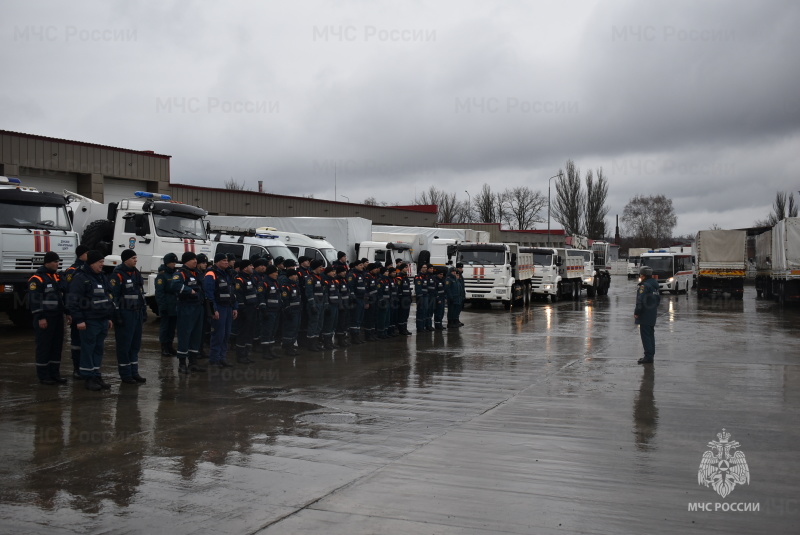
x=699 y=101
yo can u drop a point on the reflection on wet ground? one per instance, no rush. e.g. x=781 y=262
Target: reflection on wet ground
x=533 y=421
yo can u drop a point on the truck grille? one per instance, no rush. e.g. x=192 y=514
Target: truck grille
x=478 y=285
x=29 y=263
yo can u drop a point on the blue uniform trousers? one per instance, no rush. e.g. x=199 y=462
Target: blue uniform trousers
x=330 y=320
x=647 y=332
x=269 y=325
x=166 y=329
x=92 y=340
x=316 y=315
x=129 y=340
x=190 y=328
x=356 y=314
x=290 y=326
x=422 y=311
x=49 y=343
x=429 y=311
x=438 y=313
x=75 y=347
x=220 y=334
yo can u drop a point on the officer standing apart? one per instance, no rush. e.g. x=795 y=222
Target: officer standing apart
x=46 y=302
x=648 y=298
x=218 y=287
x=440 y=297
x=127 y=288
x=167 y=305
x=74 y=334
x=187 y=287
x=91 y=304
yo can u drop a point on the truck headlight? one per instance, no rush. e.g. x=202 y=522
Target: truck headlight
x=547 y=286
x=501 y=290
x=8 y=288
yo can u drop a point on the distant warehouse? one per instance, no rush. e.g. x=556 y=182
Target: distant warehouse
x=108 y=174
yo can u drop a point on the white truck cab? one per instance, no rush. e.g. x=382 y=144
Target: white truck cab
x=31 y=223
x=558 y=274
x=151 y=224
x=496 y=272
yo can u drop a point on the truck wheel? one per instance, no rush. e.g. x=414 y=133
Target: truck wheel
x=424 y=257
x=153 y=304
x=506 y=304
x=556 y=296
x=99 y=236
x=590 y=291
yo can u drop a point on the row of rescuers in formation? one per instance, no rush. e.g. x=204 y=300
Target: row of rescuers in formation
x=261 y=301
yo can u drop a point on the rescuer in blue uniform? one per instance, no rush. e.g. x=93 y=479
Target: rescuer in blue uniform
x=358 y=293
x=187 y=285
x=46 y=303
x=315 y=304
x=404 y=292
x=167 y=305
x=648 y=298
x=440 y=299
x=91 y=305
x=248 y=299
x=291 y=308
x=218 y=289
x=331 y=316
x=454 y=290
x=421 y=293
x=343 y=317
x=74 y=334
x=431 y=298
x=127 y=287
x=371 y=305
x=270 y=311
x=383 y=301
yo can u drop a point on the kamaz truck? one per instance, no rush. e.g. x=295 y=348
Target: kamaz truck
x=31 y=223
x=496 y=272
x=557 y=274
x=721 y=262
x=150 y=224
x=785 y=260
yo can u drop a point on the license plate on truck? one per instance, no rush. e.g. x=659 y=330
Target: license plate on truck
x=478 y=296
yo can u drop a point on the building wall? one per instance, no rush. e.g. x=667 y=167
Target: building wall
x=500 y=235
x=250 y=203
x=79 y=165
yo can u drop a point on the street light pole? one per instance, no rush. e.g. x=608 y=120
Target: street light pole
x=549 y=180
x=346 y=197
x=469 y=204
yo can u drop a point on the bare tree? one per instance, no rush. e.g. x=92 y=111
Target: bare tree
x=569 y=202
x=446 y=203
x=234 y=184
x=596 y=209
x=490 y=207
x=784 y=206
x=649 y=219
x=522 y=207
x=371 y=201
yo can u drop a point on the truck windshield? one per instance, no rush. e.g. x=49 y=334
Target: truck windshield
x=180 y=226
x=477 y=256
x=281 y=250
x=660 y=264
x=543 y=259
x=329 y=254
x=33 y=216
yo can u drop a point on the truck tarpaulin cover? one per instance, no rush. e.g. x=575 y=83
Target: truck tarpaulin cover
x=721 y=246
x=763 y=250
x=786 y=245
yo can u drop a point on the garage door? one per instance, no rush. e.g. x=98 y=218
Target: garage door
x=57 y=183
x=114 y=189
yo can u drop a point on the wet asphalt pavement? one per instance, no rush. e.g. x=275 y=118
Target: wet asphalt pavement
x=533 y=421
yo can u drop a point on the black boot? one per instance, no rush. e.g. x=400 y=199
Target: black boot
x=328 y=343
x=165 y=350
x=93 y=385
x=355 y=338
x=171 y=349
x=193 y=365
x=182 y=368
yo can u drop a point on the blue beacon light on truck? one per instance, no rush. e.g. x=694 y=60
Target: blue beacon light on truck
x=146 y=195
